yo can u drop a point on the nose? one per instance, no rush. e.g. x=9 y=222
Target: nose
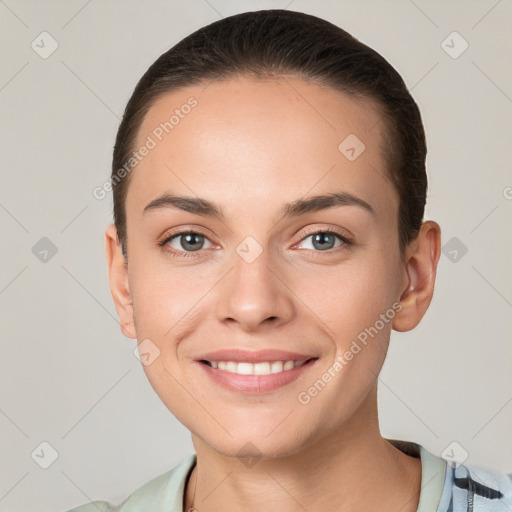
x=254 y=295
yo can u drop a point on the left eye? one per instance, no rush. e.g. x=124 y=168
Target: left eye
x=324 y=240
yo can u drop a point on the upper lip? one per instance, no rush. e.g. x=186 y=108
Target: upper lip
x=251 y=356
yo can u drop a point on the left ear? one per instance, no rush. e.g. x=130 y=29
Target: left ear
x=422 y=257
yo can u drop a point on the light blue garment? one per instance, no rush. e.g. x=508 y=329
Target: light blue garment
x=444 y=488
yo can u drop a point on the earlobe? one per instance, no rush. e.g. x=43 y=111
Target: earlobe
x=421 y=266
x=119 y=285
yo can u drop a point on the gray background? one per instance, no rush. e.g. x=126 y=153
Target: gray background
x=69 y=377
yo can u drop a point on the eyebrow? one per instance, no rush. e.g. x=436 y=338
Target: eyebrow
x=296 y=208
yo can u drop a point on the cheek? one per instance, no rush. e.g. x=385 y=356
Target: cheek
x=163 y=295
x=349 y=297
x=170 y=304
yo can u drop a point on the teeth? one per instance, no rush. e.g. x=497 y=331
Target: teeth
x=288 y=365
x=263 y=368
x=276 y=367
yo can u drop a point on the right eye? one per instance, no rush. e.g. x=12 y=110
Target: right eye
x=183 y=244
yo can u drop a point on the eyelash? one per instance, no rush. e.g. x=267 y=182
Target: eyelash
x=347 y=243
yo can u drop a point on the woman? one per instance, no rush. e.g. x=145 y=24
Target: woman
x=269 y=190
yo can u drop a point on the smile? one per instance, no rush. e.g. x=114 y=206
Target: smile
x=255 y=378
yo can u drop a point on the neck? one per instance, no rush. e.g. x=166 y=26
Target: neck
x=352 y=469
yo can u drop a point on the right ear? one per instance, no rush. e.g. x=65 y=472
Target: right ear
x=119 y=286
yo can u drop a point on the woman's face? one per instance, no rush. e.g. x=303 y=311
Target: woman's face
x=257 y=278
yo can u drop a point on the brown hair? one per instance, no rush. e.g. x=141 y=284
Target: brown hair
x=275 y=42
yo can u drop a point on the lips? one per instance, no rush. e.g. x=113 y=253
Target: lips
x=254 y=372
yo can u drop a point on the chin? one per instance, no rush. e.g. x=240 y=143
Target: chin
x=246 y=446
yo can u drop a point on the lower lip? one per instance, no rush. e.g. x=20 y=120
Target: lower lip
x=255 y=384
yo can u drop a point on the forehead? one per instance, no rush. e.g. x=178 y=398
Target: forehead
x=263 y=142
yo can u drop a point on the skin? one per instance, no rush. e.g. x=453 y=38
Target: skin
x=250 y=146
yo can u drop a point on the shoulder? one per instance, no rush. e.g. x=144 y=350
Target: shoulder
x=451 y=486
x=476 y=488
x=162 y=493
